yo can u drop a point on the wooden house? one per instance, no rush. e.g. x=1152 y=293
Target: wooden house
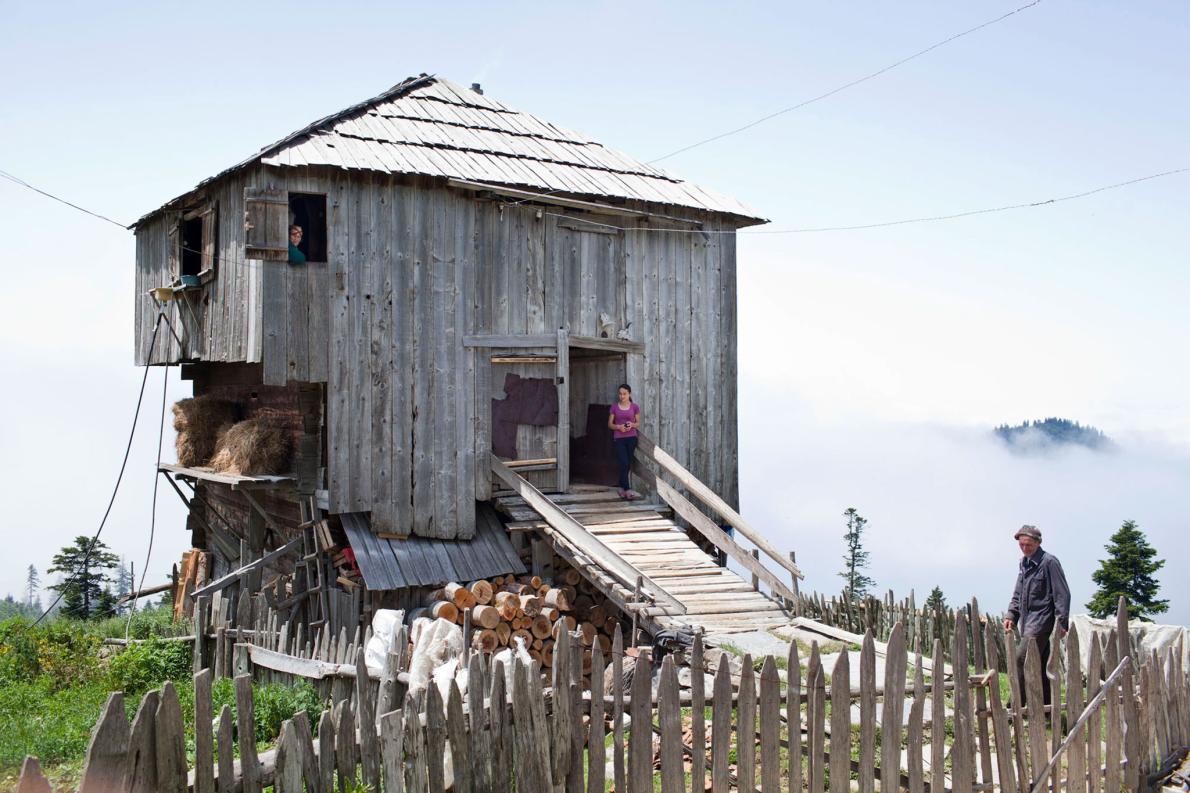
x=476 y=283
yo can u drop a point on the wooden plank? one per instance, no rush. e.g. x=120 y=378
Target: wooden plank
x=770 y=727
x=667 y=463
x=670 y=718
x=1094 y=729
x=840 y=751
x=532 y=751
x=619 y=772
x=816 y=719
x=204 y=737
x=867 y=714
x=1036 y=710
x=108 y=749
x=575 y=534
x=479 y=735
x=746 y=728
x=1004 y=751
x=250 y=773
x=596 y=749
x=721 y=727
x=415 y=749
x=640 y=741
x=226 y=780
x=913 y=746
x=1076 y=764
x=392 y=750
x=460 y=745
x=501 y=741
x=287 y=777
x=793 y=716
x=140 y=770
x=708 y=529
x=32 y=779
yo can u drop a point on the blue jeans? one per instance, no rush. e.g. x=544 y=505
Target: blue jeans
x=625 y=448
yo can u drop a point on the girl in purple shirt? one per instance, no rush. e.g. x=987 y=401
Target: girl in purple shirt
x=622 y=420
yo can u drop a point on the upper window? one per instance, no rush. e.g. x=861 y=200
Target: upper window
x=194 y=241
x=307 y=211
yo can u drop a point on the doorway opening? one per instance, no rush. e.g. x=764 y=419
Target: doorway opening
x=594 y=377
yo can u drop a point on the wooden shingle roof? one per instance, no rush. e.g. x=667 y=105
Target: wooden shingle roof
x=430 y=126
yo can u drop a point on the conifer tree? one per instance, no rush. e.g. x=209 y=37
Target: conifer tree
x=856 y=558
x=935 y=602
x=84 y=566
x=1128 y=571
x=32 y=585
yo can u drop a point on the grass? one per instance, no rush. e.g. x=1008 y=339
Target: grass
x=55 y=679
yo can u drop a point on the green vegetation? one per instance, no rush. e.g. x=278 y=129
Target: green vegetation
x=1128 y=571
x=56 y=676
x=1051 y=432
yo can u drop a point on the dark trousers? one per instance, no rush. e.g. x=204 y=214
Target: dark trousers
x=1043 y=647
x=625 y=448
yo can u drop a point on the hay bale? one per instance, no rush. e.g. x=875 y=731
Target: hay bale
x=252 y=448
x=198 y=421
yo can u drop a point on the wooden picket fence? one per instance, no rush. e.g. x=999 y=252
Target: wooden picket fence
x=794 y=728
x=922 y=626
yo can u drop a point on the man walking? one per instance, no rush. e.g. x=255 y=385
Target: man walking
x=1040 y=599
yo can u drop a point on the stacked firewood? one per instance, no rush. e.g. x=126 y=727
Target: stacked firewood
x=506 y=608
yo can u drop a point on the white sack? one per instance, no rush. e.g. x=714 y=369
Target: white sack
x=385 y=625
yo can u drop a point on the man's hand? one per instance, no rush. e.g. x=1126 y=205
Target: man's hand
x=1007 y=624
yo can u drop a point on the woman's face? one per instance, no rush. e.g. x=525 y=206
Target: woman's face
x=625 y=394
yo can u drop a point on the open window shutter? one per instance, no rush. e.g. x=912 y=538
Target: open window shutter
x=266 y=223
x=210 y=236
x=173 y=243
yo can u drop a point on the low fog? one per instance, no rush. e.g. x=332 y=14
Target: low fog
x=942 y=502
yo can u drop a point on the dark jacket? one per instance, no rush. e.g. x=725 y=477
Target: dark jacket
x=1041 y=596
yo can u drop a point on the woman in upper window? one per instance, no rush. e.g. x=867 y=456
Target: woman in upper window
x=295 y=239
x=622 y=420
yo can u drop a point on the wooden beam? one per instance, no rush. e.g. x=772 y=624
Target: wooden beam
x=712 y=532
x=506 y=340
x=256 y=564
x=607 y=345
x=658 y=455
x=580 y=538
x=571 y=203
x=153 y=590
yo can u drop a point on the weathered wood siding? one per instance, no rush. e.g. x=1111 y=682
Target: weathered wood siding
x=413 y=268
x=222 y=320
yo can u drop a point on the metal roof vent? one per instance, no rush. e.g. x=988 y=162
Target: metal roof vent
x=477 y=88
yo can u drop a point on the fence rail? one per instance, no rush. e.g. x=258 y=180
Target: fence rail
x=788 y=723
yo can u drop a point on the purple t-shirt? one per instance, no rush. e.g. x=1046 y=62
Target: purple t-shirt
x=622 y=416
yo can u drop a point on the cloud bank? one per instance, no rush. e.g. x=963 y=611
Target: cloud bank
x=943 y=501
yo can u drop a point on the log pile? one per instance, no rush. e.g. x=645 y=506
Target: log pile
x=506 y=608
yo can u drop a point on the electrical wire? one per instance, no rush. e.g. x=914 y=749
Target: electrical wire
x=828 y=94
x=23 y=183
x=843 y=87
x=884 y=224
x=119 y=477
x=153 y=513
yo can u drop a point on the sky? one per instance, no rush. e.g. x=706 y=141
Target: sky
x=873 y=363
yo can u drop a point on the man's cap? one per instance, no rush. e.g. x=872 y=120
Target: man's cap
x=1028 y=531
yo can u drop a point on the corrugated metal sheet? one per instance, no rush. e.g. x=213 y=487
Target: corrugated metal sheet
x=418 y=561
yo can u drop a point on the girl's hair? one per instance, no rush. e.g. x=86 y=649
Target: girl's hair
x=627 y=388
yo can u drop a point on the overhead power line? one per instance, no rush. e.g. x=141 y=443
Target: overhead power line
x=883 y=224
x=845 y=86
x=23 y=183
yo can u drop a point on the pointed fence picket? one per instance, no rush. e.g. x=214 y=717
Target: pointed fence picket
x=816 y=728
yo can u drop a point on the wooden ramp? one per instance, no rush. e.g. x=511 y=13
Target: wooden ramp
x=645 y=536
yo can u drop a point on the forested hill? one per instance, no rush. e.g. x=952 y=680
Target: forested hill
x=1052 y=432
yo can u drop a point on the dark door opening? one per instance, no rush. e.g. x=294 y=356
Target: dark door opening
x=594 y=377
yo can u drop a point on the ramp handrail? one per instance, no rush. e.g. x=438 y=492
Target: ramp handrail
x=647 y=449
x=578 y=536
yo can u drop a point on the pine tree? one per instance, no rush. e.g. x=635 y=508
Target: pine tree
x=856 y=558
x=85 y=567
x=1128 y=571
x=936 y=602
x=32 y=585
